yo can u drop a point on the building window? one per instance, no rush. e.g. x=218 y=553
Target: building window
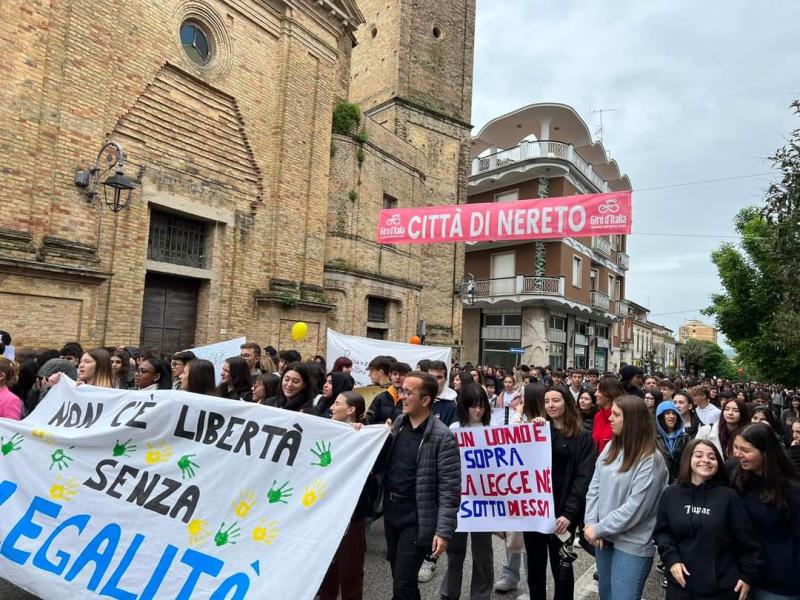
x=195 y=42
x=376 y=310
x=177 y=240
x=507 y=196
x=602 y=331
x=507 y=320
x=389 y=202
x=593 y=275
x=375 y=333
x=556 y=356
x=498 y=353
x=581 y=327
x=558 y=323
x=577 y=271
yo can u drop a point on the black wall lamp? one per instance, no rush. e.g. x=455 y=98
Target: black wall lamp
x=117 y=188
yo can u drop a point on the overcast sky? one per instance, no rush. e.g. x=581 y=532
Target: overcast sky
x=701 y=91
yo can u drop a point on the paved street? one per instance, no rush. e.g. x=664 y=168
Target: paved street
x=377 y=584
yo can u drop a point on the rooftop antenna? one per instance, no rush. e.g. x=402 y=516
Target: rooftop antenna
x=599 y=131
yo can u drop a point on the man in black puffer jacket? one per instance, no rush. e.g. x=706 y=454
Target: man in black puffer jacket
x=422 y=485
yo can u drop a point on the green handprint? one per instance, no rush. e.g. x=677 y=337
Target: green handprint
x=228 y=536
x=278 y=494
x=124 y=449
x=323 y=453
x=7 y=447
x=60 y=459
x=187 y=466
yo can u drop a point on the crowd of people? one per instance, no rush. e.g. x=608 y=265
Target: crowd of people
x=702 y=474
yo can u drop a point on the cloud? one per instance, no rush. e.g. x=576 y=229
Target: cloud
x=701 y=91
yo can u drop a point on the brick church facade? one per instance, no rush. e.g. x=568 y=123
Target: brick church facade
x=249 y=214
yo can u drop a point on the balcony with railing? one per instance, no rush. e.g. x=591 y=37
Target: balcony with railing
x=602 y=246
x=622 y=308
x=623 y=260
x=599 y=300
x=532 y=150
x=517 y=288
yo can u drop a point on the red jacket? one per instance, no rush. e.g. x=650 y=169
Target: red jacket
x=601 y=430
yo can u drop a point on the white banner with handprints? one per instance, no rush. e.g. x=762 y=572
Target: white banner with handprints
x=168 y=494
x=362 y=350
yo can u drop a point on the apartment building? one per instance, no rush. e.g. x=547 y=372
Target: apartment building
x=545 y=302
x=697 y=330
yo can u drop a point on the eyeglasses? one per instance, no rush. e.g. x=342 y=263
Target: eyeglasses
x=405 y=392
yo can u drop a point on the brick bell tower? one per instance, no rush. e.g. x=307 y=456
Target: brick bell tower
x=411 y=71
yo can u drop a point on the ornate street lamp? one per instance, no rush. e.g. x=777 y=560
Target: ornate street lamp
x=117 y=188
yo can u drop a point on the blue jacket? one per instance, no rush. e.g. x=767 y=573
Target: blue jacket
x=671 y=444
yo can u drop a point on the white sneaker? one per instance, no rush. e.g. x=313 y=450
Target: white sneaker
x=504 y=584
x=523 y=597
x=426 y=571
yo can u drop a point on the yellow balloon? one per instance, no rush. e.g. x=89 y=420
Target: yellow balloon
x=299 y=331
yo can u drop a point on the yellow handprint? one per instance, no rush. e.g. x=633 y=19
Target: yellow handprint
x=265 y=532
x=314 y=492
x=244 y=503
x=158 y=454
x=198 y=532
x=63 y=489
x=45 y=436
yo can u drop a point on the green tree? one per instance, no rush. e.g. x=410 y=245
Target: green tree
x=708 y=357
x=759 y=311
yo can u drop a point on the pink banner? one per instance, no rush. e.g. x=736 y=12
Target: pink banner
x=570 y=216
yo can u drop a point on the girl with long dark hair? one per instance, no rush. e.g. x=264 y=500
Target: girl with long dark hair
x=621 y=505
x=265 y=386
x=198 y=377
x=588 y=408
x=735 y=416
x=236 y=381
x=704 y=536
x=335 y=384
x=297 y=389
x=120 y=370
x=770 y=491
x=572 y=467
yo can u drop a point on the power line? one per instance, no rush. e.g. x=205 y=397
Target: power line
x=701 y=182
x=700 y=235
x=677 y=312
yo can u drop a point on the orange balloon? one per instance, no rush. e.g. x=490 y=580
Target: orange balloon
x=415 y=339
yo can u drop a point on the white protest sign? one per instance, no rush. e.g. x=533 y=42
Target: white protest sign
x=506 y=481
x=218 y=353
x=362 y=350
x=167 y=494
x=9 y=352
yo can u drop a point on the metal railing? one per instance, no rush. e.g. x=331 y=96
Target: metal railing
x=599 y=300
x=537 y=149
x=519 y=285
x=623 y=260
x=602 y=246
x=622 y=308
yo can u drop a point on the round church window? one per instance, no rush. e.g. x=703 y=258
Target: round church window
x=195 y=43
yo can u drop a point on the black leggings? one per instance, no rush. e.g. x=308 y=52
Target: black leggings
x=538 y=546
